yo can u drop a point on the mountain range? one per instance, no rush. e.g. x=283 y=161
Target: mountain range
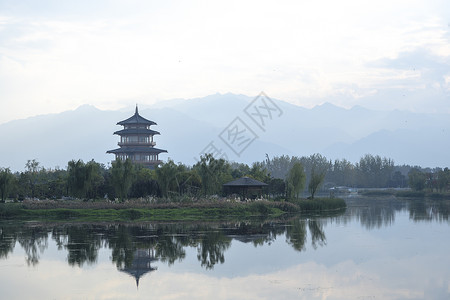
x=237 y=127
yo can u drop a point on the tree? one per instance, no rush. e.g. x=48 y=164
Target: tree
x=342 y=173
x=166 y=177
x=94 y=179
x=213 y=173
x=32 y=169
x=416 y=179
x=276 y=187
x=83 y=179
x=6 y=180
x=145 y=183
x=315 y=181
x=259 y=172
x=122 y=176
x=76 y=178
x=443 y=179
x=374 y=171
x=279 y=166
x=296 y=180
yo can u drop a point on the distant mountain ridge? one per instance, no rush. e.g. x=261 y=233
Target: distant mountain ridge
x=189 y=126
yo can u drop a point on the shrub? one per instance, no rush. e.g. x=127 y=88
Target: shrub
x=131 y=214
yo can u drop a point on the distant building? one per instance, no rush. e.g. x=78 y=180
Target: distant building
x=136 y=141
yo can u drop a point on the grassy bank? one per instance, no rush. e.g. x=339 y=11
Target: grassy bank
x=320 y=204
x=423 y=194
x=132 y=211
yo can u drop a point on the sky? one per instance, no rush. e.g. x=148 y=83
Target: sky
x=57 y=55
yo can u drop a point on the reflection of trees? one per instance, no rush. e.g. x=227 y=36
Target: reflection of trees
x=254 y=232
x=169 y=249
x=429 y=210
x=166 y=242
x=317 y=233
x=211 y=248
x=34 y=240
x=296 y=234
x=81 y=242
x=374 y=212
x=120 y=241
x=7 y=240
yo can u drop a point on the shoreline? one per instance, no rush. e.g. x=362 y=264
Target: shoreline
x=137 y=212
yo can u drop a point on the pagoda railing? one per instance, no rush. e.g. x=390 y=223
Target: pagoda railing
x=152 y=144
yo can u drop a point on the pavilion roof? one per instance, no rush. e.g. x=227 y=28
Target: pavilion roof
x=245 y=182
x=136 y=131
x=146 y=150
x=136 y=119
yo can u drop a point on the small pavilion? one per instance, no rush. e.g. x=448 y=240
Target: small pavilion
x=245 y=186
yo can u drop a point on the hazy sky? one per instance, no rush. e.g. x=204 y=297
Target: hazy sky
x=57 y=55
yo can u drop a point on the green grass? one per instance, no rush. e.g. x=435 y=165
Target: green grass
x=65 y=211
x=164 y=213
x=378 y=192
x=321 y=204
x=411 y=194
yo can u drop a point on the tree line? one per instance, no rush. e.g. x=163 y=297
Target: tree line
x=288 y=177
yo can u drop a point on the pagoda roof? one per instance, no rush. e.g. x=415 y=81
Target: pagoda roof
x=140 y=265
x=136 y=131
x=149 y=150
x=245 y=182
x=136 y=119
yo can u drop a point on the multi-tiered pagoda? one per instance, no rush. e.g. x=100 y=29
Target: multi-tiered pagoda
x=136 y=141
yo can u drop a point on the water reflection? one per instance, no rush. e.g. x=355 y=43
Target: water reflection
x=135 y=247
x=81 y=242
x=140 y=265
x=34 y=240
x=164 y=242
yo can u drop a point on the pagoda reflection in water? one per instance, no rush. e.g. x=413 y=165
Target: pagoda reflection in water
x=141 y=264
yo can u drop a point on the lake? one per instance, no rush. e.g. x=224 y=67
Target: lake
x=379 y=248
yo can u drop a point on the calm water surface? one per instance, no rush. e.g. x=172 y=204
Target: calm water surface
x=379 y=248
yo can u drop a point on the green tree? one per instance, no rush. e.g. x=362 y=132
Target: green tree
x=296 y=180
x=76 y=178
x=443 y=179
x=259 y=172
x=342 y=173
x=32 y=169
x=239 y=170
x=189 y=182
x=213 y=173
x=416 y=179
x=145 y=183
x=94 y=179
x=6 y=183
x=84 y=180
x=279 y=166
x=315 y=181
x=276 y=187
x=374 y=171
x=166 y=175
x=122 y=175
x=57 y=183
